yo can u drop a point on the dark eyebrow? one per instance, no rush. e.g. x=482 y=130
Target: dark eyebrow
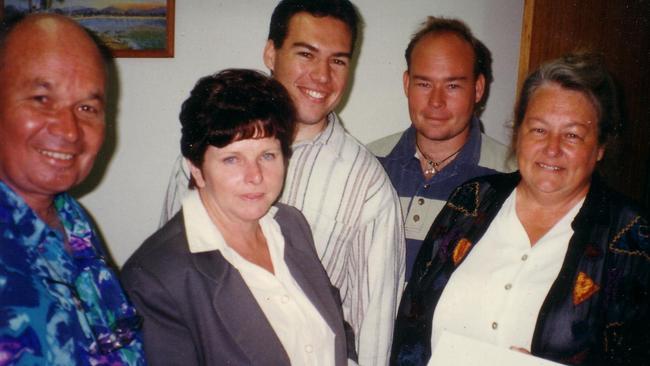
x=457 y=78
x=316 y=50
x=452 y=78
x=47 y=85
x=571 y=124
x=98 y=96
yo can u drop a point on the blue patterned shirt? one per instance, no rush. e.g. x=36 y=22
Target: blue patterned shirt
x=56 y=307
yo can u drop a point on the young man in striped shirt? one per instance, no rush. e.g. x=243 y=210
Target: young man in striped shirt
x=334 y=180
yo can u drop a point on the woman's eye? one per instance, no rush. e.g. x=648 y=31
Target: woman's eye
x=230 y=160
x=268 y=156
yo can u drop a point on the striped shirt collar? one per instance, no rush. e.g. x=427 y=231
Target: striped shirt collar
x=332 y=134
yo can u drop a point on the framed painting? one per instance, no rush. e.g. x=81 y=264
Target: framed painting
x=130 y=28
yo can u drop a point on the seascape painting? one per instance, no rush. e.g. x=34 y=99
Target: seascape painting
x=130 y=28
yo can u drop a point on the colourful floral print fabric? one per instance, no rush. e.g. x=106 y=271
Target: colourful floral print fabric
x=60 y=307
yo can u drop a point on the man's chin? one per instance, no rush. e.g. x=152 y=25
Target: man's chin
x=312 y=120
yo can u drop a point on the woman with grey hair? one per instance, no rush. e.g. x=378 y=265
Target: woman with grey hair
x=547 y=260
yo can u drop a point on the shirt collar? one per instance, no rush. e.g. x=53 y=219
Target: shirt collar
x=332 y=132
x=13 y=208
x=202 y=233
x=469 y=154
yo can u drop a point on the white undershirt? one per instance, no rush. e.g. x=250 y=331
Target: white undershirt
x=303 y=332
x=496 y=294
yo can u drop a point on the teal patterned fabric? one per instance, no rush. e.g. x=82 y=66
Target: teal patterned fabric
x=60 y=308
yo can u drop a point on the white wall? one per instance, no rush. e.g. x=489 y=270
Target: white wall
x=215 y=34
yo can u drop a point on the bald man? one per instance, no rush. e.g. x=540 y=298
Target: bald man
x=60 y=304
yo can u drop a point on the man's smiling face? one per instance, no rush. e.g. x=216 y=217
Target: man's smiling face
x=313 y=64
x=51 y=108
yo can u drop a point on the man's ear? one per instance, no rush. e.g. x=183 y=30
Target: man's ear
x=406 y=80
x=601 y=152
x=197 y=174
x=479 y=88
x=269 y=55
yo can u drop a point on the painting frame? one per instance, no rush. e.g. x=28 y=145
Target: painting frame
x=164 y=47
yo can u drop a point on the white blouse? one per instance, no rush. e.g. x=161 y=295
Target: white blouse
x=304 y=334
x=497 y=292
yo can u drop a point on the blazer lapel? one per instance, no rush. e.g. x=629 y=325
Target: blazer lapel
x=239 y=312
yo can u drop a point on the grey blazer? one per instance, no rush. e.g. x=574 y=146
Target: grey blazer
x=198 y=310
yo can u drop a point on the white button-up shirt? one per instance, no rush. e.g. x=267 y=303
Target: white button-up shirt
x=496 y=293
x=303 y=332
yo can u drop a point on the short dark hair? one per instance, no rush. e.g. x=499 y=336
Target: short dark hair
x=233 y=105
x=438 y=25
x=342 y=10
x=583 y=72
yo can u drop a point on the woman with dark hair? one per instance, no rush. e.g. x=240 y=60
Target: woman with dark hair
x=233 y=278
x=547 y=260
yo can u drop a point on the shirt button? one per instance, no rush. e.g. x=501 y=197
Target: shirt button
x=420 y=201
x=416 y=218
x=426 y=186
x=524 y=257
x=309 y=348
x=508 y=286
x=495 y=325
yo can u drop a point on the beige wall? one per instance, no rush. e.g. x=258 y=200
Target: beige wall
x=216 y=34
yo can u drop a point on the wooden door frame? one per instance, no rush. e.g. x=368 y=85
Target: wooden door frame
x=526 y=37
